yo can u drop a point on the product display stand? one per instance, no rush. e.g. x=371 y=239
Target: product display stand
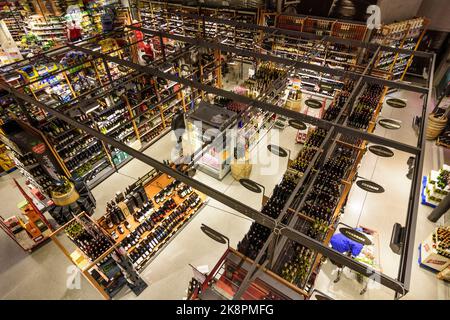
x=120 y=248
x=153 y=219
x=107 y=280
x=34 y=232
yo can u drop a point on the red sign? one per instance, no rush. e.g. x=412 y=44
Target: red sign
x=39 y=148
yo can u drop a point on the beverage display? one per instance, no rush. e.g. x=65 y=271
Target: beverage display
x=88 y=238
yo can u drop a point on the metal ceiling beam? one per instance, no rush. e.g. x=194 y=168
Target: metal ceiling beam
x=287 y=62
x=407 y=256
x=260 y=104
x=219 y=196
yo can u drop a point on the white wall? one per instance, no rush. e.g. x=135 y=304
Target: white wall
x=439 y=13
x=396 y=10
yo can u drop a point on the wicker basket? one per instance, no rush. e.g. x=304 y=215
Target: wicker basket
x=241 y=168
x=294 y=105
x=68 y=198
x=435 y=126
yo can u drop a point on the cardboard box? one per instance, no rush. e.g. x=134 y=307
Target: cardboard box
x=430 y=257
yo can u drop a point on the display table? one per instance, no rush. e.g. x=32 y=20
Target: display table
x=205 y=124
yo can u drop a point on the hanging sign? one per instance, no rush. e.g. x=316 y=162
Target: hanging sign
x=313 y=103
x=370 y=186
x=355 y=236
x=297 y=124
x=390 y=124
x=381 y=151
x=277 y=150
x=396 y=103
x=213 y=234
x=250 y=185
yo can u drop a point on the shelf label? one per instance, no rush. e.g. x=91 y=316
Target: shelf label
x=370 y=186
x=396 y=103
x=313 y=103
x=326 y=87
x=381 y=151
x=213 y=234
x=390 y=124
x=355 y=236
x=296 y=124
x=250 y=185
x=277 y=150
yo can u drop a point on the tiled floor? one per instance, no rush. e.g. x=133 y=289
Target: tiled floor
x=43 y=274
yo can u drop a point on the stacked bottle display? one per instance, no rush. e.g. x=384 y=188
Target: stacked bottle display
x=148 y=222
x=157 y=228
x=296 y=268
x=322 y=200
x=253 y=241
x=264 y=77
x=333 y=111
x=134 y=198
x=92 y=242
x=310 y=148
x=320 y=204
x=364 y=109
x=35 y=174
x=441 y=241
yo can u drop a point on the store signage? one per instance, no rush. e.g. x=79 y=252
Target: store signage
x=355 y=236
x=38 y=148
x=381 y=151
x=313 y=103
x=370 y=186
x=250 y=185
x=213 y=234
x=390 y=124
x=297 y=124
x=277 y=150
x=396 y=103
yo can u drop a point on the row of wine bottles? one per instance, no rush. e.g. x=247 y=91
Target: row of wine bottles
x=146 y=246
x=258 y=234
x=362 y=113
x=88 y=238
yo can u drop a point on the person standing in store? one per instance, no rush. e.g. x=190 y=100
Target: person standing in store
x=346 y=246
x=178 y=127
